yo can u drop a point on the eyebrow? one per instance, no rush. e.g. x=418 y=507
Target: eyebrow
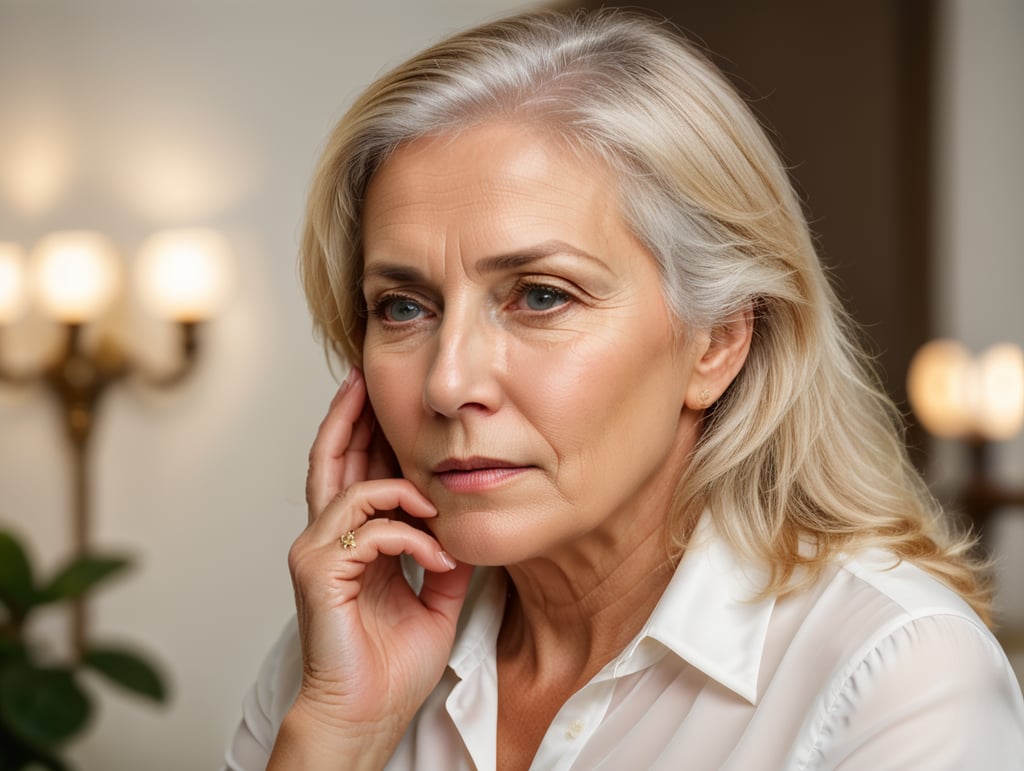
x=496 y=264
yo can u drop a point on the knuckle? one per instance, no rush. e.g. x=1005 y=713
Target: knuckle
x=342 y=498
x=301 y=562
x=295 y=555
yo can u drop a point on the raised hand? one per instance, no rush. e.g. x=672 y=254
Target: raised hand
x=372 y=649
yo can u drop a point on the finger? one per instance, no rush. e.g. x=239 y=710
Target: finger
x=331 y=573
x=356 y=457
x=356 y=504
x=445 y=591
x=391 y=538
x=336 y=436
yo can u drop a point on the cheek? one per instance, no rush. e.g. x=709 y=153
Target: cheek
x=377 y=384
x=395 y=397
x=612 y=386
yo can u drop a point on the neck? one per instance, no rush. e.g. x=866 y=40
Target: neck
x=572 y=611
x=566 y=619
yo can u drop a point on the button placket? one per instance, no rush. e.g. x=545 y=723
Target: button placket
x=574 y=730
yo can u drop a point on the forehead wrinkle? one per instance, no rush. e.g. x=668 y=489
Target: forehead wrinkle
x=524 y=256
x=423 y=197
x=399 y=274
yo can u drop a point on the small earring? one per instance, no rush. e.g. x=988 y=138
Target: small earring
x=705 y=398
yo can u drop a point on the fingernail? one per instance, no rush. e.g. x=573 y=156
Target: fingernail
x=447 y=560
x=347 y=382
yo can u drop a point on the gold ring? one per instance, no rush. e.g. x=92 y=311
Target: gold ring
x=348 y=541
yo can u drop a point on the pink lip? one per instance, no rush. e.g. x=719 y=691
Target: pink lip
x=471 y=475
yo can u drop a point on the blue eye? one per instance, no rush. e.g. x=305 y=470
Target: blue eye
x=544 y=298
x=399 y=309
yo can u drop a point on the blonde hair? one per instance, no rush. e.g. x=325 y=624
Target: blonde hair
x=802 y=458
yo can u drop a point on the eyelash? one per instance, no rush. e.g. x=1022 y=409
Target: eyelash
x=379 y=309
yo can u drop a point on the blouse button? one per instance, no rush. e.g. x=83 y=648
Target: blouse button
x=575 y=729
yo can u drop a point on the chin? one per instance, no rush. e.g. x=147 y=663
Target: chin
x=482 y=537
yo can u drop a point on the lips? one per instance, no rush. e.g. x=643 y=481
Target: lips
x=473 y=475
x=472 y=464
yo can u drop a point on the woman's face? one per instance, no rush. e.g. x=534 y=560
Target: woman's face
x=519 y=355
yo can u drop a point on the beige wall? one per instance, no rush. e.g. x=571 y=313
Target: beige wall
x=130 y=116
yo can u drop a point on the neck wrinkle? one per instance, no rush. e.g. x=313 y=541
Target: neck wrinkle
x=555 y=625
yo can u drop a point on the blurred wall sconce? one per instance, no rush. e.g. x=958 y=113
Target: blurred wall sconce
x=975 y=399
x=75 y=278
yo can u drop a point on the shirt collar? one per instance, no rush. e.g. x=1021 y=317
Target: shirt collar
x=476 y=637
x=707 y=617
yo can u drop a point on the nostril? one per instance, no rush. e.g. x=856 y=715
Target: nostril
x=451 y=394
x=462 y=378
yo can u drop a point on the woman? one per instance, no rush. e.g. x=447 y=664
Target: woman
x=594 y=355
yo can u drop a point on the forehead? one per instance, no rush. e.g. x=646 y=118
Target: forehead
x=492 y=188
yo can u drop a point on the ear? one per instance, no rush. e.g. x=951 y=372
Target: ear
x=720 y=358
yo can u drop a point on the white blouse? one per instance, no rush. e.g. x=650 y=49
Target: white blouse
x=875 y=667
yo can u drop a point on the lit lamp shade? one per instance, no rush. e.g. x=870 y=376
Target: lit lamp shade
x=939 y=387
x=1001 y=376
x=184 y=274
x=76 y=275
x=956 y=395
x=13 y=283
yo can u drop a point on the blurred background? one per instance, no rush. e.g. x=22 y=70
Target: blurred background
x=901 y=122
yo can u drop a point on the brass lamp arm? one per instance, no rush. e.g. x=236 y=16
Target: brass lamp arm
x=186 y=361
x=78 y=379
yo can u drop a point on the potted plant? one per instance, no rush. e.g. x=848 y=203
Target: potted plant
x=42 y=701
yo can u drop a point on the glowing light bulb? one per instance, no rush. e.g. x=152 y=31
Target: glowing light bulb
x=1000 y=412
x=76 y=275
x=184 y=274
x=939 y=384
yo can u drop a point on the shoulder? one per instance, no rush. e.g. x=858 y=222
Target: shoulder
x=915 y=674
x=889 y=612
x=911 y=589
x=880 y=594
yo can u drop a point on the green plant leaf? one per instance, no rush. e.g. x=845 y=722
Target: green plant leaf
x=127 y=669
x=12 y=649
x=14 y=753
x=16 y=589
x=47 y=760
x=81 y=575
x=17 y=754
x=43 y=706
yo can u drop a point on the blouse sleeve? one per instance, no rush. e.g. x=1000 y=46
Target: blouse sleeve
x=937 y=693
x=266 y=703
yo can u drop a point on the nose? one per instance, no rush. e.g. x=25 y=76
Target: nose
x=465 y=360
